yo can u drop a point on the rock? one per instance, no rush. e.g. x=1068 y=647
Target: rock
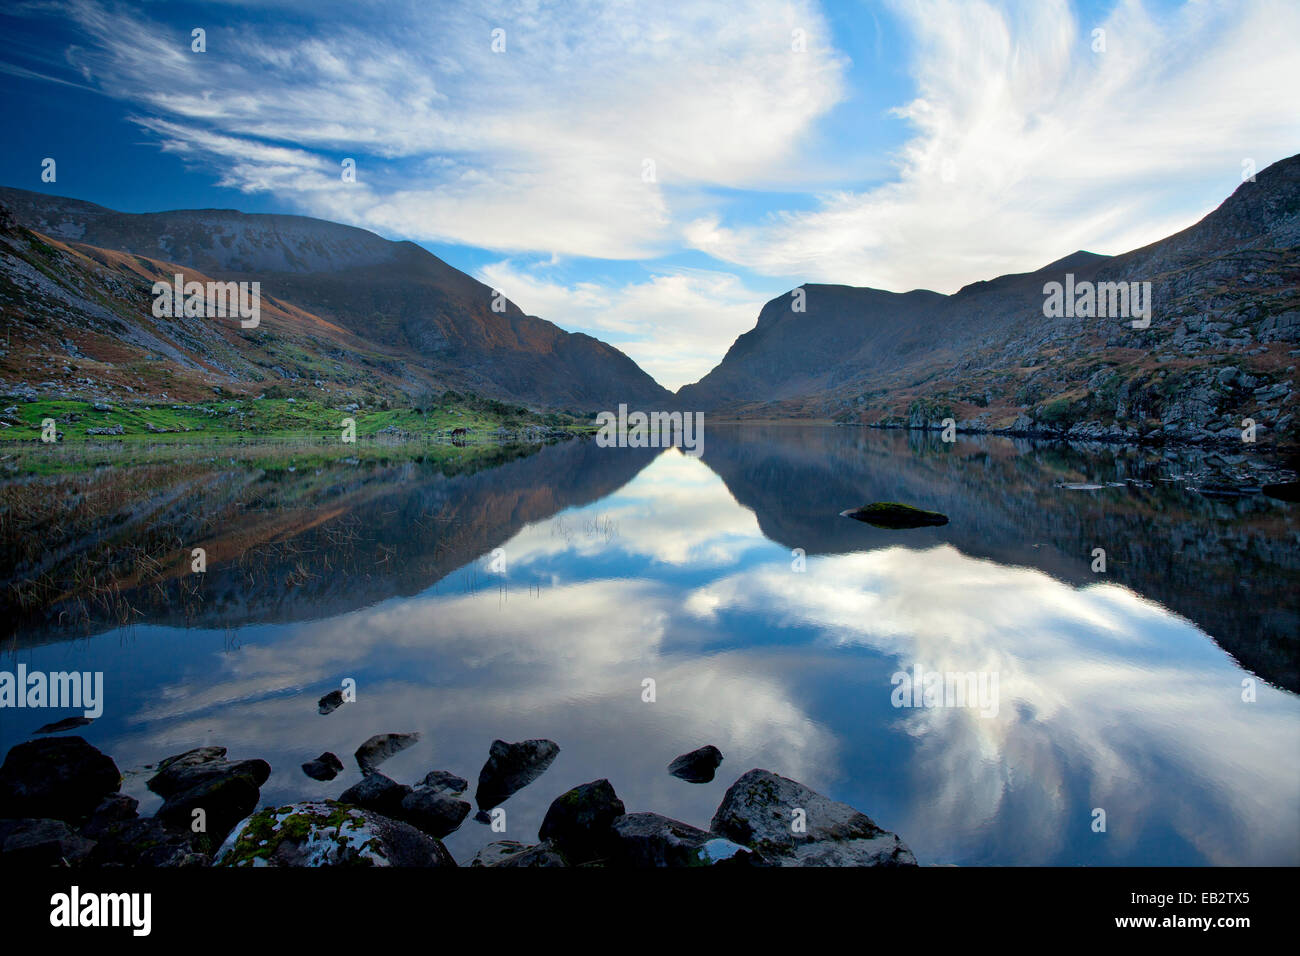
x=578 y=821
x=326 y=833
x=698 y=766
x=448 y=782
x=201 y=766
x=116 y=808
x=494 y=853
x=145 y=842
x=202 y=779
x=32 y=843
x=541 y=855
x=61 y=778
x=510 y=768
x=651 y=840
x=67 y=723
x=380 y=747
x=330 y=702
x=435 y=812
x=758 y=811
x=891 y=514
x=325 y=767
x=224 y=801
x=377 y=792
x=1287 y=491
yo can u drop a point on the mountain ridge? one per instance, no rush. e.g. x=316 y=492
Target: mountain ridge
x=402 y=300
x=1226 y=305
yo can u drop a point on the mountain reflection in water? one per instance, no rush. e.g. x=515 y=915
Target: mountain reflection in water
x=1121 y=691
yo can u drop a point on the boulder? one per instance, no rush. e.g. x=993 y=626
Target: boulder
x=578 y=821
x=224 y=801
x=326 y=833
x=61 y=778
x=380 y=747
x=512 y=853
x=698 y=766
x=145 y=842
x=758 y=811
x=510 y=768
x=116 y=808
x=541 y=855
x=201 y=766
x=891 y=514
x=445 y=781
x=325 y=767
x=653 y=840
x=330 y=702
x=32 y=843
x=436 y=812
x=377 y=792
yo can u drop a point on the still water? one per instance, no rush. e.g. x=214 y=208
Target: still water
x=535 y=598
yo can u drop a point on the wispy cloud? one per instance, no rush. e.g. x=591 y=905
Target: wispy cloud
x=542 y=146
x=1030 y=144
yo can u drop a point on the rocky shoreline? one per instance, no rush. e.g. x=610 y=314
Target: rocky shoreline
x=61 y=806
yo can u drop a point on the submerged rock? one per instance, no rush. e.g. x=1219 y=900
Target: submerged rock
x=495 y=853
x=1287 y=491
x=445 y=781
x=578 y=821
x=380 y=747
x=759 y=811
x=512 y=853
x=325 y=767
x=326 y=833
x=653 y=840
x=67 y=723
x=891 y=514
x=698 y=766
x=62 y=778
x=541 y=855
x=510 y=768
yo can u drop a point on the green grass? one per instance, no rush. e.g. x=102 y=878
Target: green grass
x=265 y=418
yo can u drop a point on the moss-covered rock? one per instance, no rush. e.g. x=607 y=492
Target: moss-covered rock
x=326 y=833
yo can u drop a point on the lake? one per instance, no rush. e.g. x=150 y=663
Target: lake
x=535 y=596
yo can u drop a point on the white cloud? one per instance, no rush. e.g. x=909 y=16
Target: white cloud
x=539 y=147
x=1028 y=145
x=675 y=325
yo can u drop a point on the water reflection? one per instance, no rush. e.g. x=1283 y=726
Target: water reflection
x=621 y=567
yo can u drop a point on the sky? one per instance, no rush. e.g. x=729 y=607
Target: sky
x=652 y=173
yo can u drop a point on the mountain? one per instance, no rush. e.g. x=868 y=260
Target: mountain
x=391 y=312
x=1220 y=347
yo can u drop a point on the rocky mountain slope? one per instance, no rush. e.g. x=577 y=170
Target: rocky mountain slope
x=1220 y=347
x=350 y=309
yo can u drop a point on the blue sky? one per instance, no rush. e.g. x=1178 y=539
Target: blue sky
x=901 y=144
